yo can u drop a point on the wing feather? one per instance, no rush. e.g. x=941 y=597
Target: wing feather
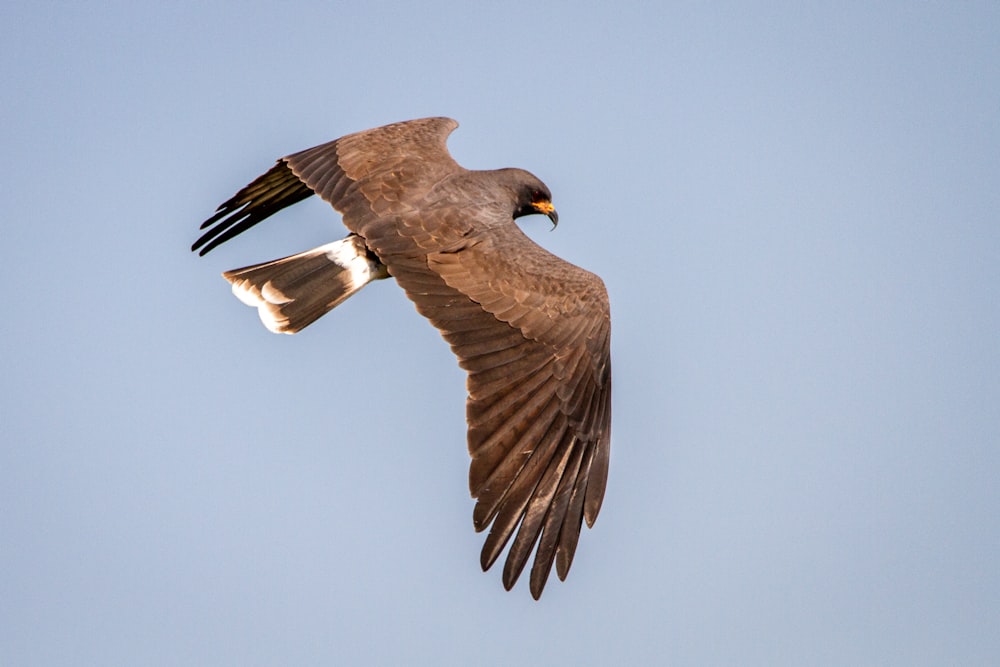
x=539 y=505
x=548 y=543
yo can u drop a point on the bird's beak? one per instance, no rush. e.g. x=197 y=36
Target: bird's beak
x=548 y=209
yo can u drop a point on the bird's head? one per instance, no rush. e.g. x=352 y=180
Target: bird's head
x=532 y=196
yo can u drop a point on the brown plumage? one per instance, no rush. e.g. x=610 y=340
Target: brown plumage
x=531 y=330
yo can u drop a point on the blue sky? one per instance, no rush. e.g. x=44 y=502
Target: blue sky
x=794 y=207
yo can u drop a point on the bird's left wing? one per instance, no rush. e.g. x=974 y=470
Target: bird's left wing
x=362 y=175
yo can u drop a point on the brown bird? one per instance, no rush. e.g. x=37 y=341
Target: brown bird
x=532 y=330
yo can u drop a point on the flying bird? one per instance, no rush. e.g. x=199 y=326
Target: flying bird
x=532 y=330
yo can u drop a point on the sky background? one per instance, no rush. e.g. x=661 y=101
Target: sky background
x=794 y=206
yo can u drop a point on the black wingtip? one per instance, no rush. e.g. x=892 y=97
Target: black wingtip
x=201 y=246
x=208 y=241
x=267 y=194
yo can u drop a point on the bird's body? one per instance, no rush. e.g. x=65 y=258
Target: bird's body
x=532 y=330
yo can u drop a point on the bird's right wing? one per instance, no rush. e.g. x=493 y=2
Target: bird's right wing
x=533 y=333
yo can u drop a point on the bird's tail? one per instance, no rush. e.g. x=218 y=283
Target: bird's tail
x=292 y=293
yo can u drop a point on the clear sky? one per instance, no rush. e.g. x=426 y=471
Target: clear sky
x=795 y=208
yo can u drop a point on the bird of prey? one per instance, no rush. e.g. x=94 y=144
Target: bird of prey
x=532 y=330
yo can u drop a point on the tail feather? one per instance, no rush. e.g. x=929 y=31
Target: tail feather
x=293 y=292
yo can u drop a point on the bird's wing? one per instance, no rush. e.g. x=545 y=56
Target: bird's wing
x=365 y=168
x=533 y=333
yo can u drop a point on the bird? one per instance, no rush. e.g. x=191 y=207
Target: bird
x=532 y=331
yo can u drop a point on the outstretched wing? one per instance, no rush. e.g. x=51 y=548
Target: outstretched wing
x=371 y=168
x=533 y=332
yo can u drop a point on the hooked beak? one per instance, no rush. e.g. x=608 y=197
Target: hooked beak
x=548 y=209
